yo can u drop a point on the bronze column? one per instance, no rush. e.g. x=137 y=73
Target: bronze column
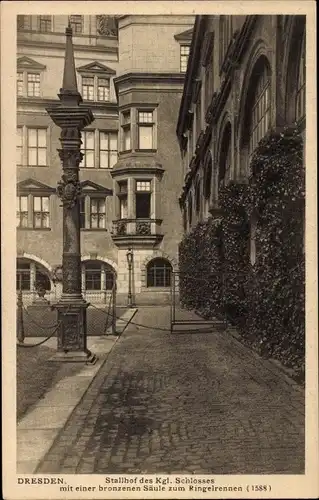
x=71 y=117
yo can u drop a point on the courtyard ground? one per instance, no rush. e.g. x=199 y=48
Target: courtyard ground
x=182 y=403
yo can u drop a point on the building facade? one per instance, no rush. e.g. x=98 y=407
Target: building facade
x=246 y=76
x=241 y=130
x=130 y=70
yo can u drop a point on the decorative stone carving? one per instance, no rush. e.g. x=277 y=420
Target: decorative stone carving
x=143 y=228
x=69 y=189
x=106 y=25
x=70 y=158
x=121 y=228
x=70 y=337
x=72 y=274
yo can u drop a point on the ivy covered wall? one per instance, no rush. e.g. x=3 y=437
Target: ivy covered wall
x=266 y=300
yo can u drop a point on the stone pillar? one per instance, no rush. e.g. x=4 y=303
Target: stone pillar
x=71 y=118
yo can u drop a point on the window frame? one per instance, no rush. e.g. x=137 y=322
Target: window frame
x=46 y=19
x=37 y=147
x=21 y=27
x=83 y=163
x=126 y=127
x=86 y=211
x=300 y=103
x=259 y=115
x=153 y=267
x=145 y=124
x=183 y=58
x=76 y=20
x=30 y=220
x=109 y=151
x=44 y=214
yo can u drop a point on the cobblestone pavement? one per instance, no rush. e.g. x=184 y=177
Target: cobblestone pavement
x=182 y=403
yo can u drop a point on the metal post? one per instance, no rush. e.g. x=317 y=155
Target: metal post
x=20 y=324
x=71 y=118
x=114 y=309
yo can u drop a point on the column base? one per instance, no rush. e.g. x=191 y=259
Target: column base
x=75 y=357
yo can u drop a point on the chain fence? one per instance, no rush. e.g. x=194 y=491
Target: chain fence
x=101 y=319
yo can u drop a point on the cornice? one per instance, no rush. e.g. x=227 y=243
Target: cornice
x=46 y=102
x=57 y=45
x=132 y=167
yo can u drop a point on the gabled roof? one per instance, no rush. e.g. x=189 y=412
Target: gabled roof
x=96 y=67
x=27 y=62
x=92 y=187
x=33 y=185
x=185 y=35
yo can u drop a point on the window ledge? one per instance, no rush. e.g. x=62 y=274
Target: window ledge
x=157 y=288
x=146 y=150
x=33 y=229
x=33 y=166
x=96 y=168
x=125 y=151
x=98 y=229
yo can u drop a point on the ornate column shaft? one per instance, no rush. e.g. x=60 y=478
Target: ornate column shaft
x=71 y=118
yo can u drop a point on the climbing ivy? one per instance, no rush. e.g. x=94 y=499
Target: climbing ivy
x=266 y=301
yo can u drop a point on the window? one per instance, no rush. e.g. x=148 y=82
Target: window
x=197 y=198
x=98 y=276
x=208 y=177
x=41 y=212
x=190 y=209
x=225 y=36
x=108 y=149
x=260 y=110
x=93 y=276
x=103 y=89
x=37 y=146
x=93 y=212
x=225 y=157
x=76 y=24
x=31 y=147
x=82 y=213
x=20 y=83
x=22 y=211
x=88 y=149
x=33 y=84
x=33 y=212
x=253 y=228
x=29 y=275
x=143 y=199
x=24 y=23
x=126 y=131
x=184 y=54
x=19 y=151
x=23 y=281
x=122 y=195
x=159 y=272
x=97 y=213
x=94 y=87
x=45 y=24
x=88 y=88
x=145 y=130
x=198 y=114
x=301 y=85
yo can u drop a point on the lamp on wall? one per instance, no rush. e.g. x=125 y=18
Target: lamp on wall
x=129 y=257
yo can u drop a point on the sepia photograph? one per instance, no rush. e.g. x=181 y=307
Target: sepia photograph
x=160 y=252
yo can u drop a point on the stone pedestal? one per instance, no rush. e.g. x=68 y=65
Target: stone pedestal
x=72 y=334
